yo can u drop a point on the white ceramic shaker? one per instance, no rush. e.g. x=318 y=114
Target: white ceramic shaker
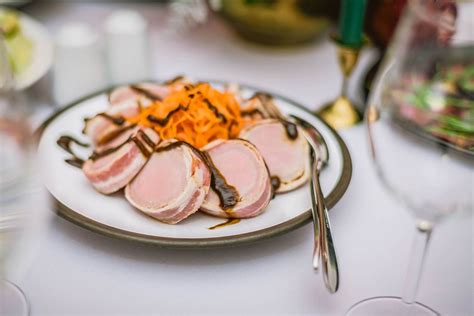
x=127 y=42
x=79 y=67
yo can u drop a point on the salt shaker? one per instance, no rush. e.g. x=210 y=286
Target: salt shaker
x=79 y=68
x=127 y=42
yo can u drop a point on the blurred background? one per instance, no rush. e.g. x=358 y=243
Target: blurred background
x=104 y=40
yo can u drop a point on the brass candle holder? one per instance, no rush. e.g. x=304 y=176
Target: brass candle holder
x=342 y=112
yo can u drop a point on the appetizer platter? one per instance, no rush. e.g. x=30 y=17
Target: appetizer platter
x=185 y=163
x=29 y=47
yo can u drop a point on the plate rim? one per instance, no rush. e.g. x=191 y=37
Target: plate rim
x=170 y=242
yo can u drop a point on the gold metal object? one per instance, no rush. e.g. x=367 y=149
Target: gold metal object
x=342 y=112
x=372 y=114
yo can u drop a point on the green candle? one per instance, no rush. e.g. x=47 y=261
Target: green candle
x=351 y=22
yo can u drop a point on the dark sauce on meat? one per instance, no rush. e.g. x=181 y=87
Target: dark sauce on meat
x=189 y=87
x=229 y=128
x=99 y=154
x=291 y=129
x=114 y=134
x=147 y=94
x=265 y=97
x=171 y=146
x=146 y=139
x=276 y=182
x=216 y=112
x=162 y=122
x=117 y=120
x=141 y=146
x=140 y=143
x=174 y=80
x=230 y=221
x=228 y=194
x=251 y=112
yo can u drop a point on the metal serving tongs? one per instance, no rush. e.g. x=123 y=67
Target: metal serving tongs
x=323 y=242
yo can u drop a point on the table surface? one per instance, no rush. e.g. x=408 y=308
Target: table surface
x=80 y=272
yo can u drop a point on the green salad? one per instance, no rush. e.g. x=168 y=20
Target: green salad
x=440 y=104
x=19 y=47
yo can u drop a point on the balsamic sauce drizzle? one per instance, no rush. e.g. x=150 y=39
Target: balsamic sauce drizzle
x=230 y=221
x=175 y=79
x=117 y=120
x=141 y=140
x=141 y=146
x=216 y=112
x=229 y=128
x=65 y=143
x=147 y=94
x=276 y=182
x=99 y=154
x=228 y=194
x=273 y=112
x=189 y=87
x=162 y=122
x=75 y=162
x=171 y=146
x=146 y=139
x=251 y=112
x=291 y=129
x=140 y=143
x=115 y=134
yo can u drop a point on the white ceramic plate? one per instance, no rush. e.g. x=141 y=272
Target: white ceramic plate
x=114 y=216
x=43 y=51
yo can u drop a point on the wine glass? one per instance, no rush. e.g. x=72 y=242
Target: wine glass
x=420 y=123
x=23 y=202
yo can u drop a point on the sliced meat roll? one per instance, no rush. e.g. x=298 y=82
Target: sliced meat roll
x=117 y=137
x=260 y=106
x=112 y=169
x=144 y=92
x=104 y=125
x=285 y=152
x=129 y=95
x=172 y=185
x=152 y=91
x=242 y=167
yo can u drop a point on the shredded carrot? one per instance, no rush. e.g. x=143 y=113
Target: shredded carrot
x=196 y=114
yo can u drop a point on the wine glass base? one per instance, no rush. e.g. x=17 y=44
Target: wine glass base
x=389 y=305
x=13 y=300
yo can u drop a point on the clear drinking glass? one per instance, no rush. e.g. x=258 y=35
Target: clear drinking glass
x=23 y=201
x=420 y=123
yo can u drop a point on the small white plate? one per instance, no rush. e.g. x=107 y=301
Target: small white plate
x=43 y=51
x=78 y=202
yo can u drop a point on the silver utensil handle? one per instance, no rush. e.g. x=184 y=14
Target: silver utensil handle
x=314 y=211
x=329 y=260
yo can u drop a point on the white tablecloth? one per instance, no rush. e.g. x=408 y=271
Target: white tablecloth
x=80 y=272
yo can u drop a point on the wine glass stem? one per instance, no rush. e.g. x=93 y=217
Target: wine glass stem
x=417 y=259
